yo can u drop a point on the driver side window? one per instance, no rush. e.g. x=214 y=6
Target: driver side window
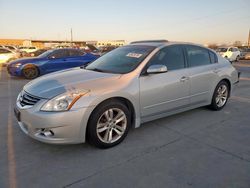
x=59 y=54
x=171 y=56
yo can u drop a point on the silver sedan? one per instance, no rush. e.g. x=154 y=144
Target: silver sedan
x=124 y=88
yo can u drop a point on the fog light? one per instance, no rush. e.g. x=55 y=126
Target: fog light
x=46 y=132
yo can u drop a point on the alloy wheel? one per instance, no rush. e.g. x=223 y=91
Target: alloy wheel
x=222 y=95
x=111 y=125
x=30 y=73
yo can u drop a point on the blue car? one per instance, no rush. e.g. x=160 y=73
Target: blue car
x=49 y=61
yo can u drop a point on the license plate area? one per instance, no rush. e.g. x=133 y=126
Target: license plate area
x=17 y=114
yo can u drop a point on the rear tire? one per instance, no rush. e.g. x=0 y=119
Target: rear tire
x=220 y=96
x=109 y=124
x=30 y=72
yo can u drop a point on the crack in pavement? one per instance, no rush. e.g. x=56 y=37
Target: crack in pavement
x=142 y=154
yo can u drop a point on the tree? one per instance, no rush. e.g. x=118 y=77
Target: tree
x=213 y=46
x=237 y=43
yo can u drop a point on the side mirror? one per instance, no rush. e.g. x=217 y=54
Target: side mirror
x=52 y=57
x=155 y=69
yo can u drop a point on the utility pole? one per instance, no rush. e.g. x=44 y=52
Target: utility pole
x=71 y=36
x=248 y=44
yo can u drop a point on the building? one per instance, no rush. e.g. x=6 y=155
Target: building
x=54 y=43
x=15 y=42
x=107 y=43
x=40 y=43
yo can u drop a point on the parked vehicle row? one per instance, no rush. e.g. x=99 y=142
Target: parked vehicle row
x=7 y=55
x=130 y=85
x=245 y=53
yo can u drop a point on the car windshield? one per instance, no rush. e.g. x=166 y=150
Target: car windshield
x=221 y=50
x=121 y=60
x=45 y=54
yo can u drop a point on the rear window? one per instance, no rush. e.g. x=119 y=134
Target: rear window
x=75 y=53
x=213 y=57
x=221 y=50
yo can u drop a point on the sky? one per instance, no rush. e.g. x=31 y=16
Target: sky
x=200 y=21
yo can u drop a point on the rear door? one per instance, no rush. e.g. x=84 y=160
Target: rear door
x=75 y=58
x=203 y=73
x=165 y=92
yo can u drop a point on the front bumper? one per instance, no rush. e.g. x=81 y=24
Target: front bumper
x=67 y=127
x=14 y=71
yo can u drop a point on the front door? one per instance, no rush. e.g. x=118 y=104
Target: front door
x=165 y=92
x=57 y=60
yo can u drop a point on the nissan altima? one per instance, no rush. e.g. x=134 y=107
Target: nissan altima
x=126 y=87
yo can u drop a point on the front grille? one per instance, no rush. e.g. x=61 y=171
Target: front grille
x=27 y=99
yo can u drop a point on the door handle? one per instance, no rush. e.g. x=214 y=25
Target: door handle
x=184 y=78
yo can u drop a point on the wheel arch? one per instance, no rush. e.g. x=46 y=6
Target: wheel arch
x=30 y=65
x=228 y=82
x=123 y=100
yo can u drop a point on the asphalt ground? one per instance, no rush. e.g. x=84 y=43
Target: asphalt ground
x=198 y=148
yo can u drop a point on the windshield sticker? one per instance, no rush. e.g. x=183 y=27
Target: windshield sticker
x=134 y=55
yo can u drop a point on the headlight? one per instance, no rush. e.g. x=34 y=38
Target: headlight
x=63 y=102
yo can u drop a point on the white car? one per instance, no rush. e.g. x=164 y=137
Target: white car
x=7 y=55
x=230 y=53
x=28 y=49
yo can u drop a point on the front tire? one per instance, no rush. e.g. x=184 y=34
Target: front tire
x=109 y=124
x=220 y=96
x=30 y=72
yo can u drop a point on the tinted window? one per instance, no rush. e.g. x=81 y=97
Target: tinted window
x=10 y=47
x=59 y=54
x=213 y=57
x=171 y=56
x=2 y=51
x=221 y=50
x=197 y=56
x=75 y=53
x=121 y=60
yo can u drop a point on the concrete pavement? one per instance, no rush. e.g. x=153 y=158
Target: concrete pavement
x=198 y=148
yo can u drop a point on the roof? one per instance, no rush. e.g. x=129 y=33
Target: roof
x=156 y=43
x=160 y=43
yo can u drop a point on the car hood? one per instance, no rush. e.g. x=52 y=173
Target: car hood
x=53 y=84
